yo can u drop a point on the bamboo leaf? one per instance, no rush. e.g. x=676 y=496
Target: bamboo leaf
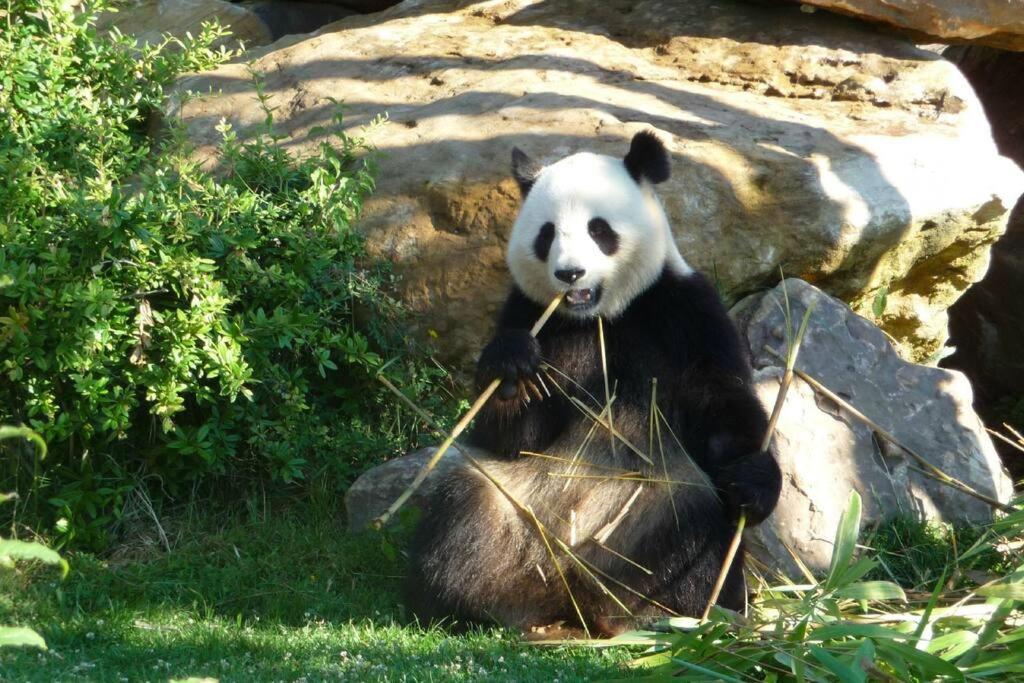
x=7 y=432
x=928 y=664
x=848 y=630
x=24 y=550
x=16 y=636
x=1011 y=591
x=872 y=590
x=844 y=672
x=846 y=540
x=952 y=645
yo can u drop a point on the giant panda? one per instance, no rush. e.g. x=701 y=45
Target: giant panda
x=591 y=229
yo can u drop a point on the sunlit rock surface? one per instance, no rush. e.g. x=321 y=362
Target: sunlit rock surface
x=807 y=142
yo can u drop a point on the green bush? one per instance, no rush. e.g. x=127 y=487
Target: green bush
x=159 y=322
x=12 y=549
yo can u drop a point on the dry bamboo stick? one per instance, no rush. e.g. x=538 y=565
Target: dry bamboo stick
x=607 y=530
x=1003 y=437
x=597 y=418
x=607 y=391
x=730 y=555
x=554 y=560
x=1009 y=428
x=780 y=399
x=617 y=471
x=459 y=428
x=527 y=512
x=939 y=475
x=619 y=555
x=629 y=476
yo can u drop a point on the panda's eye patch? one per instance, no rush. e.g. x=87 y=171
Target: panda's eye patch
x=542 y=245
x=606 y=238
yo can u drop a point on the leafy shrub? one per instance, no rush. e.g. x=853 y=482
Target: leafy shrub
x=13 y=549
x=159 y=322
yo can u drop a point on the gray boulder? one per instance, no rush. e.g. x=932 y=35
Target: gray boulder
x=825 y=452
x=375 y=490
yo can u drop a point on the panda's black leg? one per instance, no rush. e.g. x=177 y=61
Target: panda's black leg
x=475 y=560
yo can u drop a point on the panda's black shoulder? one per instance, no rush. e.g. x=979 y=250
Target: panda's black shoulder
x=687 y=309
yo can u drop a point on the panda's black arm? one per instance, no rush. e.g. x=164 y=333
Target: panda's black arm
x=721 y=416
x=507 y=424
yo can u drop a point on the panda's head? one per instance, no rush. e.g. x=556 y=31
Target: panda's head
x=591 y=227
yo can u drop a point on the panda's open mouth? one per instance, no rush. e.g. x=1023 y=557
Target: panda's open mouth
x=583 y=297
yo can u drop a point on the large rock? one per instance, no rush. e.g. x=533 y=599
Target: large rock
x=149 y=20
x=374 y=491
x=803 y=142
x=825 y=452
x=999 y=23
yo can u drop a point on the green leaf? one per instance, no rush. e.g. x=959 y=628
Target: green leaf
x=16 y=636
x=845 y=541
x=25 y=550
x=952 y=645
x=844 y=672
x=872 y=590
x=927 y=663
x=848 y=630
x=1011 y=591
x=7 y=432
x=881 y=300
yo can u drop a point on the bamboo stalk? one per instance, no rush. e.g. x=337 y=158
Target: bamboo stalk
x=730 y=555
x=597 y=418
x=558 y=567
x=661 y=451
x=1009 y=428
x=607 y=391
x=1003 y=437
x=607 y=530
x=619 y=555
x=939 y=475
x=627 y=477
x=616 y=471
x=787 y=377
x=527 y=512
x=458 y=429
x=793 y=350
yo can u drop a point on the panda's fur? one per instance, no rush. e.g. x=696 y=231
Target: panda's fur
x=475 y=557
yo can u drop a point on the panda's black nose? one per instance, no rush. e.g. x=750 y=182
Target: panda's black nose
x=570 y=275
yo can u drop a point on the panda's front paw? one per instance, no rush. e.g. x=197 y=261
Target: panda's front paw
x=752 y=486
x=514 y=357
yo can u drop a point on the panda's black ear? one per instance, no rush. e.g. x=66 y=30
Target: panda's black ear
x=524 y=169
x=647 y=158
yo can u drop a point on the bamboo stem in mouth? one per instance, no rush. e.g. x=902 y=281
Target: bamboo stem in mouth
x=458 y=429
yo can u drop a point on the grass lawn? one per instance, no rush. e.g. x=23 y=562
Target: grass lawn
x=252 y=596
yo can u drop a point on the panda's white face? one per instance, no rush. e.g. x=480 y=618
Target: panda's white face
x=588 y=229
